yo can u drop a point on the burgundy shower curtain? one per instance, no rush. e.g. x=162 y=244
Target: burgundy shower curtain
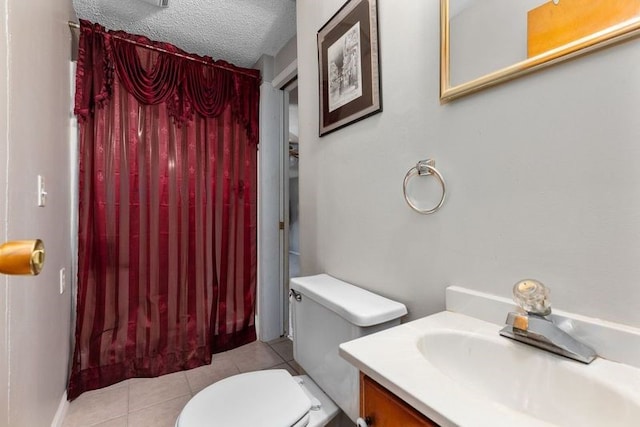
x=167 y=212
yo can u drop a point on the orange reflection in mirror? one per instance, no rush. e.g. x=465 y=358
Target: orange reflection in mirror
x=553 y=25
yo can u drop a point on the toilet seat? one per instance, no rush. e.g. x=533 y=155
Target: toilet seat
x=269 y=398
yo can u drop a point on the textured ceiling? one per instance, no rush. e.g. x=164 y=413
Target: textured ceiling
x=237 y=31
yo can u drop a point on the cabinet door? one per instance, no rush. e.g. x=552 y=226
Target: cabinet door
x=384 y=409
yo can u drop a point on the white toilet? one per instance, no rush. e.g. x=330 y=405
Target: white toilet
x=326 y=312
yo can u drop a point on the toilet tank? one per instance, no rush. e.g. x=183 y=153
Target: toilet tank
x=327 y=312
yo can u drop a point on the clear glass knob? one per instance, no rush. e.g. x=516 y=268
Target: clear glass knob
x=532 y=296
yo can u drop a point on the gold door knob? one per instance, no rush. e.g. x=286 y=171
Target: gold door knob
x=22 y=257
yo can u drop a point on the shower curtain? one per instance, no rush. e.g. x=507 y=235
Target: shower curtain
x=167 y=208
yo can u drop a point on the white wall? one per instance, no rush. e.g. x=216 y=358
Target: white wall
x=543 y=175
x=34 y=103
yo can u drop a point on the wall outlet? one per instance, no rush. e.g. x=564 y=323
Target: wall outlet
x=63 y=280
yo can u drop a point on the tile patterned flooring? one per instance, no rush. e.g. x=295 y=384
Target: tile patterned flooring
x=156 y=402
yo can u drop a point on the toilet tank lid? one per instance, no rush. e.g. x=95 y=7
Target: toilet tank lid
x=354 y=304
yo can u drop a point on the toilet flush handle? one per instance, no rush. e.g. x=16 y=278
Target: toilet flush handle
x=296 y=295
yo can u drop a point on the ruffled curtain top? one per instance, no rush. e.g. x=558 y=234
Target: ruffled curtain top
x=205 y=87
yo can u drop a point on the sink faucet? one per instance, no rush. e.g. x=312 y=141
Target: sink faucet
x=535 y=327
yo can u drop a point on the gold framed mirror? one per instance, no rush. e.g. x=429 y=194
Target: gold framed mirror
x=524 y=36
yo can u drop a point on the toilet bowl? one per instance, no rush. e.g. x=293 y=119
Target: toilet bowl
x=326 y=312
x=271 y=398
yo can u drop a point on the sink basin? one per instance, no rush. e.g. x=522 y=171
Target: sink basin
x=458 y=371
x=548 y=387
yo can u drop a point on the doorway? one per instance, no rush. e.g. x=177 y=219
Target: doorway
x=290 y=223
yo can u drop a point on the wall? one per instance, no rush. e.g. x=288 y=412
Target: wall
x=34 y=105
x=285 y=56
x=285 y=64
x=542 y=175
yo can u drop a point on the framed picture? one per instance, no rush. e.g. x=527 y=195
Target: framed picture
x=349 y=67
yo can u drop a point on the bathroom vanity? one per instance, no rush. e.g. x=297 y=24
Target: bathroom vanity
x=454 y=369
x=381 y=408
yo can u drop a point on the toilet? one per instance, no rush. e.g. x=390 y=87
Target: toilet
x=325 y=313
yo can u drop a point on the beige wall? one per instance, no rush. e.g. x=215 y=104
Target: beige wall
x=542 y=175
x=34 y=135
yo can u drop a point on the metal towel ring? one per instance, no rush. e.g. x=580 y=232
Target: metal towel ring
x=424 y=168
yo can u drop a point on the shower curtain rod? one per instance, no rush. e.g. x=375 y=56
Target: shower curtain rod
x=76 y=26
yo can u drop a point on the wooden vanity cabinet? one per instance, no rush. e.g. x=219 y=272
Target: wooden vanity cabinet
x=381 y=408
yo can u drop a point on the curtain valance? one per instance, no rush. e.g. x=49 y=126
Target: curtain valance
x=188 y=87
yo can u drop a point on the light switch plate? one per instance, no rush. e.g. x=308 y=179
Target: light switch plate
x=42 y=193
x=63 y=280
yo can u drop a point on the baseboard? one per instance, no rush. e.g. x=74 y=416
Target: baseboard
x=63 y=407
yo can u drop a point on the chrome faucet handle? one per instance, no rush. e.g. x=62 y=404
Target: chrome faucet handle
x=532 y=296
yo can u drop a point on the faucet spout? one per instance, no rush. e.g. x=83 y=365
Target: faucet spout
x=536 y=327
x=541 y=332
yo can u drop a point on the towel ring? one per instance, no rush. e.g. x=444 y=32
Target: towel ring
x=424 y=168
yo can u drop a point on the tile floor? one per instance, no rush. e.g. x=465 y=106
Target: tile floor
x=156 y=402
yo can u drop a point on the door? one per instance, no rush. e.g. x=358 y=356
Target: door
x=4 y=294
x=289 y=167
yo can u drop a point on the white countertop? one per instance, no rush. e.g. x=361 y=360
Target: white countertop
x=393 y=358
